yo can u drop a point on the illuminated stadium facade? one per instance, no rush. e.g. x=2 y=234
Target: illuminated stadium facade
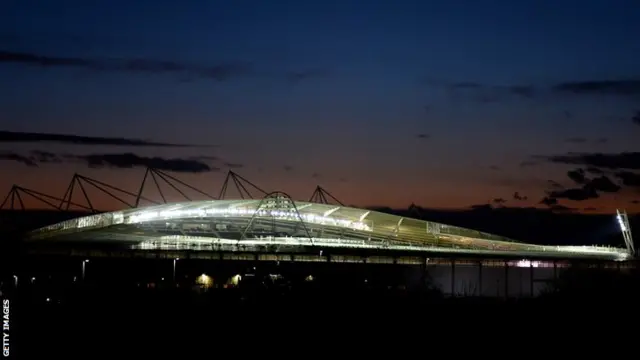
x=278 y=224
x=279 y=237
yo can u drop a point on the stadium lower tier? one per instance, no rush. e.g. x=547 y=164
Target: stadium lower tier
x=459 y=276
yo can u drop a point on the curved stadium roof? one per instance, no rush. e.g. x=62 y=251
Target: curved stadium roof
x=277 y=220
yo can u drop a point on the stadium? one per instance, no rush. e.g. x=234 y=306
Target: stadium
x=281 y=235
x=277 y=223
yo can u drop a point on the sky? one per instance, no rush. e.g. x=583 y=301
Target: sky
x=444 y=104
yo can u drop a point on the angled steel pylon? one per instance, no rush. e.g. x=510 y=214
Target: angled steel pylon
x=277 y=201
x=79 y=181
x=623 y=221
x=14 y=199
x=239 y=183
x=156 y=175
x=320 y=196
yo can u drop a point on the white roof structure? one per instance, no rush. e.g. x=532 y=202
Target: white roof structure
x=277 y=220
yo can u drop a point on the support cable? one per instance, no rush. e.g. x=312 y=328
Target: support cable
x=144 y=181
x=164 y=175
x=223 y=189
x=155 y=181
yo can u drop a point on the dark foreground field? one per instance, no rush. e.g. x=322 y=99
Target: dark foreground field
x=90 y=321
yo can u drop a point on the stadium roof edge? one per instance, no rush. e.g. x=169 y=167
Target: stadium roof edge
x=387 y=227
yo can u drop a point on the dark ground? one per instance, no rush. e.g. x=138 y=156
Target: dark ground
x=90 y=320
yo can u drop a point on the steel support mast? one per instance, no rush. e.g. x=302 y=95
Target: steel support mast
x=623 y=221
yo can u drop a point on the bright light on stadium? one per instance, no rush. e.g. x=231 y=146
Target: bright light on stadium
x=527 y=263
x=621 y=223
x=291 y=215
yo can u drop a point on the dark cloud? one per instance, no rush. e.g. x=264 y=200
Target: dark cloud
x=590 y=209
x=316 y=175
x=129 y=160
x=219 y=72
x=577 y=175
x=629 y=178
x=233 y=165
x=34 y=158
x=561 y=208
x=124 y=161
x=605 y=87
x=11 y=156
x=485 y=93
x=636 y=118
x=517 y=196
x=33 y=59
x=575 y=194
x=626 y=160
x=554 y=184
x=499 y=201
x=210 y=158
x=590 y=187
x=520 y=90
x=222 y=72
x=342 y=179
x=635 y=201
x=298 y=76
x=531 y=212
x=288 y=168
x=25 y=137
x=423 y=136
x=482 y=207
x=45 y=157
x=588 y=191
x=594 y=170
x=603 y=184
x=204 y=157
x=494 y=168
x=581 y=140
